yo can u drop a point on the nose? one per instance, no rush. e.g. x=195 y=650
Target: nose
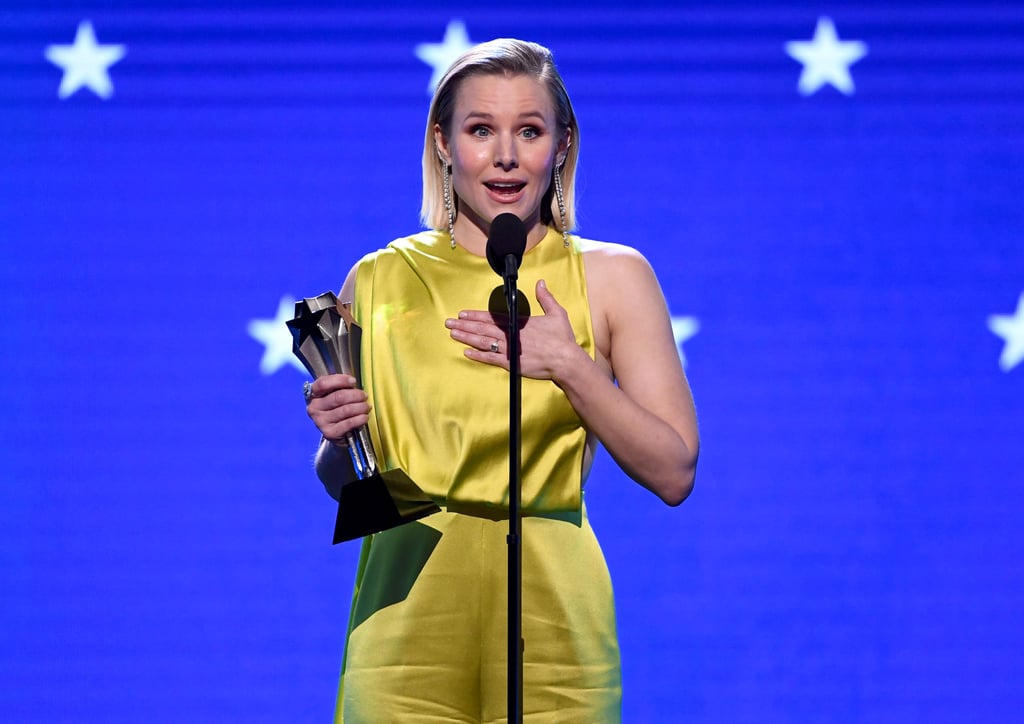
x=505 y=155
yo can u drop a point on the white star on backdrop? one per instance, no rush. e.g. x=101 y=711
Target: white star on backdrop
x=85 y=63
x=441 y=55
x=1011 y=328
x=682 y=329
x=826 y=59
x=273 y=334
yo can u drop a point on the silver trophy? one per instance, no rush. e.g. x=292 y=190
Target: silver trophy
x=327 y=340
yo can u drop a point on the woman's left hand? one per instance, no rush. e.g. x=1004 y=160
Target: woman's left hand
x=546 y=341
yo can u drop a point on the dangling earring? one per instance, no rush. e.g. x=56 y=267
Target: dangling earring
x=561 y=203
x=446 y=188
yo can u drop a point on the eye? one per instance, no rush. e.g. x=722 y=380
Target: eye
x=531 y=132
x=480 y=131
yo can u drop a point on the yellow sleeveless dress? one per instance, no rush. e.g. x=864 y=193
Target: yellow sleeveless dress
x=427 y=632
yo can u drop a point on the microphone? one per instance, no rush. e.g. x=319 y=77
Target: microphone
x=507 y=239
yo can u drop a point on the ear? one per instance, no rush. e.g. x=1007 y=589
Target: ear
x=441 y=143
x=562 y=151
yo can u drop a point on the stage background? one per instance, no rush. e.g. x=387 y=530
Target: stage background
x=837 y=258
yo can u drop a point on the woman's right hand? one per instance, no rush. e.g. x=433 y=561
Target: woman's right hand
x=337 y=407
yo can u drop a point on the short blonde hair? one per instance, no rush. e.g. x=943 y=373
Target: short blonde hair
x=510 y=57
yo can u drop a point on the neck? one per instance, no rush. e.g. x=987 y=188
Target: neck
x=472 y=236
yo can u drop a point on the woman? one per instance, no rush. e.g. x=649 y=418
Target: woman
x=427 y=630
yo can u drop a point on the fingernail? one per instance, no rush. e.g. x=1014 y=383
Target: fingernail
x=449 y=322
x=462 y=315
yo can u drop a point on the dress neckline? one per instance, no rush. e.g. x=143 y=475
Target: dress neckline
x=439 y=241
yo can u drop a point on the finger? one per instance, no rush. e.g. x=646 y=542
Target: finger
x=470 y=330
x=327 y=384
x=336 y=432
x=498 y=359
x=349 y=415
x=547 y=300
x=333 y=408
x=337 y=415
x=340 y=398
x=489 y=342
x=476 y=315
x=485 y=326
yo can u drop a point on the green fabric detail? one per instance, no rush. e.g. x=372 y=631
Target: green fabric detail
x=400 y=553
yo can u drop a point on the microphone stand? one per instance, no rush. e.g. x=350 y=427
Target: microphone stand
x=516 y=645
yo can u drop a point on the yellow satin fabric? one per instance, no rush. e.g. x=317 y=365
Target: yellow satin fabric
x=443 y=418
x=428 y=641
x=427 y=635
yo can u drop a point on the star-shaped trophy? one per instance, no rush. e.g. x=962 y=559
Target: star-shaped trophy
x=327 y=340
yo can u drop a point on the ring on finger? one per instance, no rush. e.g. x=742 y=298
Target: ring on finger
x=494 y=345
x=307 y=391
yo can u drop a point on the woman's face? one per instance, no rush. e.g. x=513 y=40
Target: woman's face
x=503 y=145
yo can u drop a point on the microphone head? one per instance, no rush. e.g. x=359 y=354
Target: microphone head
x=508 y=236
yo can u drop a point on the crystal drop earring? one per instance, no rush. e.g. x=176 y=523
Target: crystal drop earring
x=561 y=203
x=446 y=188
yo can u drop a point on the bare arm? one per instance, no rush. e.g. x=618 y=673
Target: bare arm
x=647 y=422
x=334 y=467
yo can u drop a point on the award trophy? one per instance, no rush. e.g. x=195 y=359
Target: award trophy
x=327 y=340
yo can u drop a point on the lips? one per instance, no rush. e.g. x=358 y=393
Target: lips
x=505 y=188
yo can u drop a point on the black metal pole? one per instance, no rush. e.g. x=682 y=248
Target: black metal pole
x=516 y=644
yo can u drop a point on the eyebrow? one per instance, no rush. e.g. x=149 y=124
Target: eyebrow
x=489 y=117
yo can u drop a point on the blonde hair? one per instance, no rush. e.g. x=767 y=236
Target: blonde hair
x=509 y=57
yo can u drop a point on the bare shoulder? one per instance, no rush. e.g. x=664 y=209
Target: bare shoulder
x=616 y=266
x=608 y=252
x=348 y=288
x=622 y=288
x=364 y=266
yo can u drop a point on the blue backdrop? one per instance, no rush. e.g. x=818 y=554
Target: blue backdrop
x=830 y=193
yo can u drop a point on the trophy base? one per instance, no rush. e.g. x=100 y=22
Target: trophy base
x=379 y=502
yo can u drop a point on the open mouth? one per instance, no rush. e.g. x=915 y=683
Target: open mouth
x=505 y=189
